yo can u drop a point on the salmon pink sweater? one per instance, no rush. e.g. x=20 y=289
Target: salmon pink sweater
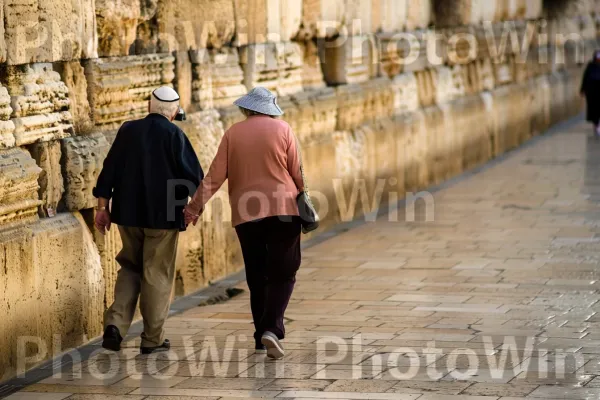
x=259 y=157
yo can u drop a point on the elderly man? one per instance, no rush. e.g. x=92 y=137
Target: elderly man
x=147 y=157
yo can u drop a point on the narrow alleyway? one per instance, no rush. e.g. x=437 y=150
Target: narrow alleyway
x=496 y=298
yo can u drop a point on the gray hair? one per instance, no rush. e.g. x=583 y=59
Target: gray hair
x=249 y=113
x=168 y=109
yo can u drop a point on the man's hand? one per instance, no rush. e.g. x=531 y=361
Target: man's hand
x=190 y=217
x=102 y=221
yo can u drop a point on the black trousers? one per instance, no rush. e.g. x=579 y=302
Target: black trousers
x=271 y=250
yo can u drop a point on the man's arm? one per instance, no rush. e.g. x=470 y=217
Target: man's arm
x=105 y=184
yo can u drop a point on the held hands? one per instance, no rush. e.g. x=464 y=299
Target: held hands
x=102 y=221
x=190 y=216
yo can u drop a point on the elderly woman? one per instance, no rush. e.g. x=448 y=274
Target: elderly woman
x=259 y=157
x=590 y=88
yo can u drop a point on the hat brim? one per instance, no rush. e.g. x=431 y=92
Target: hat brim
x=259 y=106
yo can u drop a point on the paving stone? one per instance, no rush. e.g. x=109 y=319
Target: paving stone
x=492 y=389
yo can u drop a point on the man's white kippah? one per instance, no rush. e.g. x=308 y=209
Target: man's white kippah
x=165 y=94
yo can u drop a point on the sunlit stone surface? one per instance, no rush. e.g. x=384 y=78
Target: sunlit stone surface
x=385 y=96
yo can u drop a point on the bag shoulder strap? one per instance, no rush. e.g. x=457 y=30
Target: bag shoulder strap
x=299 y=151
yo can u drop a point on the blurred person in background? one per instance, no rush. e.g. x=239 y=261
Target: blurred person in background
x=590 y=88
x=260 y=159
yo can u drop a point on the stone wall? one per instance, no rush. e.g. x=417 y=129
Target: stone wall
x=371 y=126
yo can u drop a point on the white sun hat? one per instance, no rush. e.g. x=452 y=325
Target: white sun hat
x=260 y=100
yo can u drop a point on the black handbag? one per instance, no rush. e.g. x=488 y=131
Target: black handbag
x=308 y=215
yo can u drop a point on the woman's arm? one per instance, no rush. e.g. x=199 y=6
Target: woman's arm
x=294 y=160
x=217 y=174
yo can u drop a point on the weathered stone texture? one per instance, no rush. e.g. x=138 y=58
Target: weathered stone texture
x=406 y=92
x=218 y=79
x=205 y=130
x=73 y=75
x=47 y=155
x=7 y=127
x=206 y=252
x=349 y=60
x=18 y=187
x=109 y=245
x=311 y=114
x=449 y=84
x=276 y=66
x=40 y=103
x=82 y=162
x=120 y=87
x=321 y=18
x=262 y=21
x=51 y=284
x=195 y=24
x=48 y=30
x=419 y=14
x=118 y=21
x=389 y=15
x=312 y=74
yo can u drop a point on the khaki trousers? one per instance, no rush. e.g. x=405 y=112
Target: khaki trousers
x=147 y=271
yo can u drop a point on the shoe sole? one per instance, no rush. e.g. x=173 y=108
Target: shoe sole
x=274 y=350
x=111 y=345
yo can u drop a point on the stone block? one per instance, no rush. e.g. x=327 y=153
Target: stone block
x=322 y=19
x=406 y=93
x=312 y=73
x=350 y=154
x=120 y=87
x=311 y=114
x=39 y=101
x=389 y=15
x=72 y=74
x=504 y=70
x=7 y=127
x=426 y=87
x=209 y=250
x=82 y=161
x=47 y=31
x=47 y=155
x=19 y=199
x=118 y=22
x=450 y=13
x=52 y=286
x=218 y=79
x=351 y=101
x=195 y=24
x=262 y=21
x=182 y=82
x=534 y=9
x=109 y=245
x=204 y=130
x=348 y=60
x=230 y=115
x=449 y=83
x=379 y=98
x=419 y=14
x=276 y=66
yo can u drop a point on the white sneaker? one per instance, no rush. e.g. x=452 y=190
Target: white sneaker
x=274 y=348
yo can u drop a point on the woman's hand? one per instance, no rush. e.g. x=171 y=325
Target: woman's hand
x=191 y=217
x=102 y=221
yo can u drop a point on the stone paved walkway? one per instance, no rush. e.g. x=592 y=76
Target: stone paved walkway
x=494 y=299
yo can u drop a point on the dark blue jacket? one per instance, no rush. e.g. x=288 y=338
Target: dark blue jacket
x=141 y=173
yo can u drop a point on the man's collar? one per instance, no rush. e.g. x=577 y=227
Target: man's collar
x=155 y=115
